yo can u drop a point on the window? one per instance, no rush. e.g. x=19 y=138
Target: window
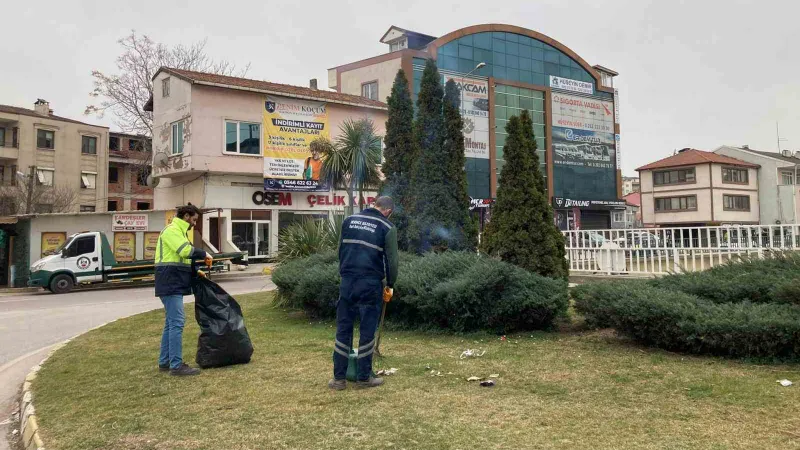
x=81 y=246
x=88 y=180
x=112 y=205
x=2 y=137
x=165 y=87
x=44 y=177
x=736 y=202
x=113 y=144
x=133 y=145
x=45 y=139
x=87 y=208
x=89 y=145
x=243 y=138
x=141 y=176
x=398 y=45
x=370 y=90
x=787 y=178
x=3 y=175
x=13 y=175
x=142 y=206
x=113 y=175
x=606 y=79
x=734 y=176
x=686 y=203
x=177 y=138
x=678 y=176
x=619 y=216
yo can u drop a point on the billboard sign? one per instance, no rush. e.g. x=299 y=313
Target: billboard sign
x=290 y=125
x=475 y=114
x=582 y=113
x=567 y=84
x=616 y=106
x=583 y=148
x=129 y=222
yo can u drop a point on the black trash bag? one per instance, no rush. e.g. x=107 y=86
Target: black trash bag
x=223 y=337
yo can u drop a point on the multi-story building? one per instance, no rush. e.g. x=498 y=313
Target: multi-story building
x=129 y=159
x=502 y=70
x=630 y=185
x=778 y=187
x=696 y=188
x=240 y=150
x=62 y=153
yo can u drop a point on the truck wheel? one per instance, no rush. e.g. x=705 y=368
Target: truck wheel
x=61 y=284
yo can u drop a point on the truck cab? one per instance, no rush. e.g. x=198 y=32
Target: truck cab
x=80 y=260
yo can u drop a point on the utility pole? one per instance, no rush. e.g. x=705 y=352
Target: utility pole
x=31 y=175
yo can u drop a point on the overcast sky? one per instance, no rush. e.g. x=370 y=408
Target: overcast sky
x=696 y=73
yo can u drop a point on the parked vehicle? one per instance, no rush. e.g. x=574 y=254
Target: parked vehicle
x=86 y=258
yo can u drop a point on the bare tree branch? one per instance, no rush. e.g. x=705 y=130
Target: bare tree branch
x=125 y=93
x=44 y=199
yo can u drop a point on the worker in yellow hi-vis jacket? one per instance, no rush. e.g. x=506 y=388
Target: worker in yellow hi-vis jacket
x=174 y=257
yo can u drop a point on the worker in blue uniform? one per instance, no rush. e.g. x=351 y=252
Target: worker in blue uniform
x=367 y=256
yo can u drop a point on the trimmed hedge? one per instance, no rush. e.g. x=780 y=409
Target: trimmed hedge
x=453 y=291
x=749 y=308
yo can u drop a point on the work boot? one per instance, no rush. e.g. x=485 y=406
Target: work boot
x=184 y=371
x=337 y=385
x=372 y=382
x=164 y=368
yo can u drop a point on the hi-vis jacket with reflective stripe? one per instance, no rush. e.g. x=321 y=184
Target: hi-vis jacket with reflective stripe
x=368 y=247
x=174 y=255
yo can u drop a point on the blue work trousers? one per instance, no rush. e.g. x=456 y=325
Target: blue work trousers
x=363 y=298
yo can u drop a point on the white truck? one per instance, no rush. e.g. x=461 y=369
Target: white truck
x=86 y=258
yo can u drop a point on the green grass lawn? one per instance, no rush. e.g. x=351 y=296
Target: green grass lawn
x=588 y=390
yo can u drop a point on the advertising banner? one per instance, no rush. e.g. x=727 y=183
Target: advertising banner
x=616 y=106
x=52 y=241
x=124 y=246
x=150 y=242
x=290 y=125
x=567 y=203
x=582 y=148
x=583 y=113
x=567 y=84
x=475 y=113
x=129 y=222
x=619 y=151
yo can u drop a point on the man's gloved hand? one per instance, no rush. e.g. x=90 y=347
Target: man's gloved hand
x=387 y=294
x=201 y=274
x=209 y=260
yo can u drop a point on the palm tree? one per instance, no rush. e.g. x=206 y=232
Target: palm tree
x=353 y=160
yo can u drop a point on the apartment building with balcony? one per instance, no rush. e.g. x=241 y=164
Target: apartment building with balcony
x=60 y=152
x=778 y=187
x=697 y=188
x=129 y=165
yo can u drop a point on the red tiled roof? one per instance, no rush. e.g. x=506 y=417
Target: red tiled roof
x=692 y=157
x=8 y=109
x=633 y=199
x=272 y=88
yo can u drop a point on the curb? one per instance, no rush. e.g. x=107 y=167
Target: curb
x=29 y=426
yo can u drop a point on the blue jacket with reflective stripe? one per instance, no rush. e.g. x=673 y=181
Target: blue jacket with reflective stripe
x=174 y=255
x=368 y=247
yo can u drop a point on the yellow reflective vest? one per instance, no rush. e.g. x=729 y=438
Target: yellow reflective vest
x=174 y=256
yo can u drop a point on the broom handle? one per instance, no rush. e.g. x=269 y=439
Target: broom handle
x=380 y=330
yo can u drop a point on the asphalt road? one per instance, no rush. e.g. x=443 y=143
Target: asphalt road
x=31 y=324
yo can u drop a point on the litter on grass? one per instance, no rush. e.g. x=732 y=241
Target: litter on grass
x=387 y=372
x=470 y=353
x=785 y=383
x=487 y=383
x=494 y=375
x=474 y=379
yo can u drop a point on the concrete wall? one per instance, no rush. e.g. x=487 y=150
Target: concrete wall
x=75 y=223
x=383 y=72
x=65 y=158
x=166 y=111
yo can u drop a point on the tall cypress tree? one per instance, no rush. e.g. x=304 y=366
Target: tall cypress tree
x=456 y=162
x=434 y=223
x=399 y=155
x=522 y=230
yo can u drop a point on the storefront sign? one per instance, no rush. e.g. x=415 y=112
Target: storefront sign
x=124 y=246
x=567 y=84
x=475 y=114
x=568 y=203
x=290 y=125
x=272 y=198
x=129 y=222
x=150 y=244
x=583 y=113
x=619 y=151
x=335 y=200
x=616 y=106
x=478 y=203
x=52 y=241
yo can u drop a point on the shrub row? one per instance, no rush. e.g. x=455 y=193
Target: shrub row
x=675 y=320
x=454 y=291
x=773 y=279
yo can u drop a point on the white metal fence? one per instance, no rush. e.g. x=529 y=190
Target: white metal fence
x=667 y=250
